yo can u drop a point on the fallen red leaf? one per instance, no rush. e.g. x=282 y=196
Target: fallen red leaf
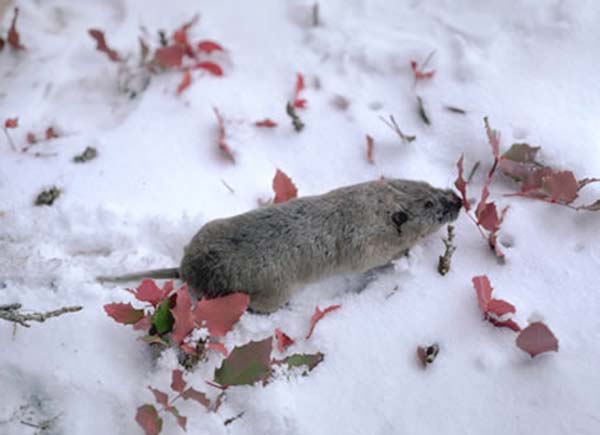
x=102 y=46
x=494 y=310
x=124 y=313
x=11 y=123
x=284 y=187
x=537 y=338
x=493 y=138
x=370 y=144
x=181 y=38
x=186 y=81
x=299 y=103
x=221 y=136
x=13 y=38
x=211 y=67
x=420 y=74
x=160 y=397
x=147 y=417
x=266 y=123
x=318 y=315
x=220 y=314
x=51 y=133
x=182 y=313
x=209 y=46
x=170 y=56
x=283 y=340
x=177 y=382
x=197 y=396
x=148 y=291
x=561 y=186
x=487 y=216
x=511 y=324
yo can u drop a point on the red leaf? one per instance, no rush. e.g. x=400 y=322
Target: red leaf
x=266 y=123
x=218 y=347
x=181 y=420
x=483 y=289
x=123 y=313
x=211 y=67
x=493 y=138
x=283 y=340
x=284 y=187
x=221 y=137
x=51 y=134
x=31 y=139
x=11 y=123
x=180 y=35
x=487 y=216
x=170 y=56
x=461 y=184
x=13 y=38
x=370 y=150
x=511 y=324
x=147 y=417
x=196 y=395
x=186 y=81
x=177 y=382
x=161 y=398
x=182 y=313
x=499 y=308
x=148 y=291
x=561 y=186
x=299 y=103
x=318 y=315
x=101 y=45
x=420 y=74
x=537 y=338
x=220 y=314
x=209 y=46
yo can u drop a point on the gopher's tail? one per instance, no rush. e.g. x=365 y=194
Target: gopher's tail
x=169 y=273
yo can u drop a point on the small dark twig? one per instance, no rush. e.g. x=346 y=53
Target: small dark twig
x=473 y=170
x=394 y=126
x=10 y=313
x=232 y=419
x=296 y=121
x=88 y=154
x=456 y=110
x=445 y=260
x=422 y=112
x=227 y=186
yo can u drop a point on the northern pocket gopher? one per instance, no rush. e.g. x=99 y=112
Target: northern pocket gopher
x=272 y=251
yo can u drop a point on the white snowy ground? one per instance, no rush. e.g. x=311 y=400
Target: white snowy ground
x=531 y=66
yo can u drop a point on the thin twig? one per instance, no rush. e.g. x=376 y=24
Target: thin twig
x=296 y=121
x=394 y=126
x=12 y=314
x=422 y=112
x=473 y=170
x=10 y=141
x=445 y=260
x=227 y=186
x=456 y=110
x=232 y=419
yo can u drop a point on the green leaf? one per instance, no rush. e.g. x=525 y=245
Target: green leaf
x=521 y=152
x=162 y=319
x=246 y=365
x=304 y=359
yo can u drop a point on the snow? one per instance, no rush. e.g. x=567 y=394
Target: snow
x=528 y=65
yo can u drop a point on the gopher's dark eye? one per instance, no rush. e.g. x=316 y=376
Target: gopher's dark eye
x=428 y=204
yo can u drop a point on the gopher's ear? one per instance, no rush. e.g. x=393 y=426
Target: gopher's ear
x=399 y=218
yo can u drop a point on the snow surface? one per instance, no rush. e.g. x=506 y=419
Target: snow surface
x=531 y=66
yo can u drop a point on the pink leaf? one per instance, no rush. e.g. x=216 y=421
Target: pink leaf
x=14 y=39
x=196 y=395
x=283 y=340
x=220 y=314
x=51 y=133
x=500 y=307
x=487 y=216
x=299 y=103
x=123 y=313
x=511 y=324
x=493 y=138
x=177 y=382
x=144 y=324
x=561 y=186
x=148 y=291
x=182 y=313
x=209 y=46
x=284 y=187
x=420 y=74
x=160 y=397
x=147 y=417
x=11 y=123
x=318 y=315
x=218 y=347
x=483 y=289
x=537 y=338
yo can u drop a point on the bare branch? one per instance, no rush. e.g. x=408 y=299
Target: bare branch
x=11 y=313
